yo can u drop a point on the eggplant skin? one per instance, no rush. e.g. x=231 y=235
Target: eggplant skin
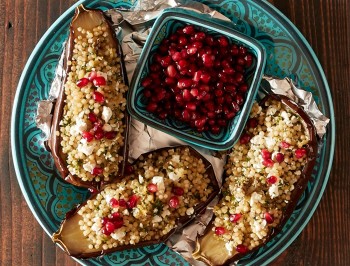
x=210 y=248
x=79 y=172
x=153 y=213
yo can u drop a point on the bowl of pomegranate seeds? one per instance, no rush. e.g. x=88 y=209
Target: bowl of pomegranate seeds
x=196 y=79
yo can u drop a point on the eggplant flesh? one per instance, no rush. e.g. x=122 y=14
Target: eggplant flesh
x=165 y=190
x=91 y=120
x=225 y=242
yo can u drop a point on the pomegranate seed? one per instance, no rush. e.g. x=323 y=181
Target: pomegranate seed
x=269 y=218
x=165 y=61
x=252 y=123
x=199 y=36
x=105 y=231
x=96 y=171
x=114 y=202
x=182 y=40
x=93 y=190
x=192 y=50
x=239 y=99
x=205 y=77
x=122 y=203
x=219 y=230
x=82 y=82
x=110 y=227
x=178 y=191
x=191 y=106
x=115 y=216
x=129 y=169
x=92 y=117
x=189 y=30
x=176 y=56
x=99 y=134
x=171 y=71
x=248 y=60
x=242 y=50
x=265 y=154
x=110 y=135
x=242 y=249
x=174 y=202
x=238 y=77
x=151 y=107
x=215 y=129
x=199 y=123
x=184 y=83
x=194 y=92
x=118 y=223
x=208 y=60
x=243 y=88
x=300 y=153
x=187 y=96
x=285 y=145
x=152 y=187
x=104 y=220
x=268 y=163
x=223 y=41
x=99 y=81
x=234 y=218
x=235 y=107
x=98 y=97
x=88 y=136
x=245 y=138
x=240 y=62
x=131 y=203
x=279 y=157
x=271 y=179
x=146 y=82
x=92 y=75
x=186 y=116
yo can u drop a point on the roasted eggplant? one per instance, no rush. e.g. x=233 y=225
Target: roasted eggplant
x=266 y=173
x=165 y=190
x=90 y=122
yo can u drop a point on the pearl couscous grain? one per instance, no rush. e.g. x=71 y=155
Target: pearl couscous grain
x=144 y=206
x=92 y=127
x=261 y=172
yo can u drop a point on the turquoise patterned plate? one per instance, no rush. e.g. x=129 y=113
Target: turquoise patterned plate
x=50 y=198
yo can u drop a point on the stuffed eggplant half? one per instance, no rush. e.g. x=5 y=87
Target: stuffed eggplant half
x=165 y=190
x=265 y=175
x=89 y=127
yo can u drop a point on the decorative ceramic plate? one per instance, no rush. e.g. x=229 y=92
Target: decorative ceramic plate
x=49 y=197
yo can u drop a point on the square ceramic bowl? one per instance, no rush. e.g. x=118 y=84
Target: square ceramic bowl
x=166 y=24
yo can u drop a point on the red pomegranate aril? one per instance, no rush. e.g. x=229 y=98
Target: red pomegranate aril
x=265 y=154
x=182 y=64
x=268 y=217
x=122 y=203
x=243 y=88
x=110 y=227
x=155 y=67
x=99 y=81
x=252 y=123
x=132 y=202
x=220 y=100
x=284 y=145
x=152 y=187
x=189 y=30
x=271 y=180
x=92 y=75
x=176 y=56
x=174 y=202
x=230 y=88
x=238 y=77
x=93 y=190
x=129 y=169
x=197 y=76
x=222 y=122
x=242 y=50
x=115 y=216
x=179 y=99
x=268 y=162
x=223 y=41
x=114 y=203
x=205 y=77
x=92 y=117
x=239 y=99
x=215 y=129
x=105 y=231
x=151 y=107
x=178 y=191
x=242 y=249
x=186 y=93
x=194 y=92
x=208 y=60
x=82 y=82
x=97 y=171
x=279 y=157
x=191 y=106
x=88 y=136
x=234 y=49
x=184 y=83
x=200 y=122
x=240 y=61
x=99 y=133
x=300 y=153
x=104 y=220
x=118 y=223
x=182 y=41
x=199 y=36
x=165 y=61
x=235 y=107
x=186 y=116
x=198 y=45
x=171 y=71
x=110 y=134
x=219 y=230
x=248 y=60
x=234 y=218
x=245 y=138
x=192 y=50
x=98 y=97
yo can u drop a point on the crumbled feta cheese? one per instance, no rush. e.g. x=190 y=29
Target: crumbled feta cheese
x=119 y=234
x=229 y=246
x=107 y=127
x=176 y=158
x=85 y=147
x=126 y=212
x=173 y=176
x=140 y=179
x=273 y=191
x=270 y=142
x=108 y=198
x=271 y=110
x=88 y=167
x=95 y=227
x=190 y=211
x=106 y=113
x=165 y=213
x=156 y=219
x=255 y=198
x=159 y=181
x=258 y=227
x=136 y=212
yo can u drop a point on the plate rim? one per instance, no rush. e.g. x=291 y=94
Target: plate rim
x=330 y=137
